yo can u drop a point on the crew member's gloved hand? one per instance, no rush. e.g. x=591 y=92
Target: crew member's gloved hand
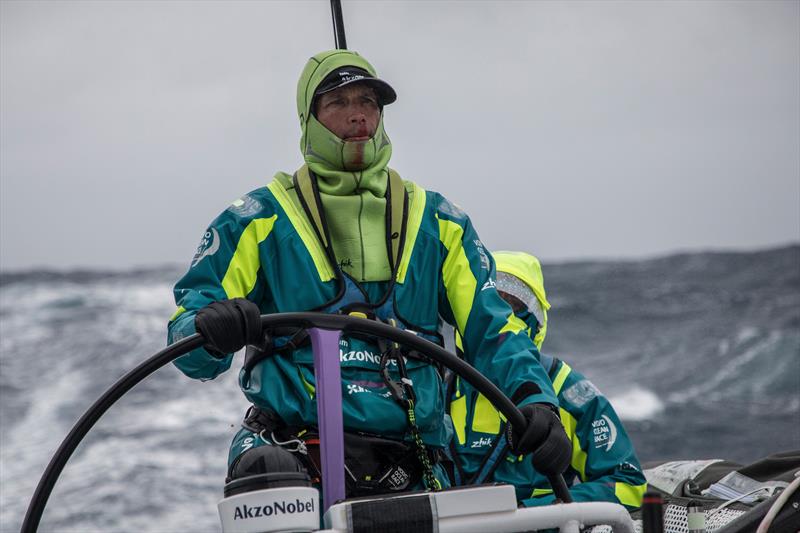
x=228 y=325
x=544 y=438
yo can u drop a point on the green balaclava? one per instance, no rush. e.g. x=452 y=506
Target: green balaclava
x=351 y=175
x=343 y=166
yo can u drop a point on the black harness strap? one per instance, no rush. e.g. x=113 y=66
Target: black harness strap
x=297 y=339
x=373 y=464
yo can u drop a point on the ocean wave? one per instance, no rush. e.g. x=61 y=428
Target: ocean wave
x=697 y=352
x=637 y=404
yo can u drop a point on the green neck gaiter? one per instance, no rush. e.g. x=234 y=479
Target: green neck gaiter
x=352 y=178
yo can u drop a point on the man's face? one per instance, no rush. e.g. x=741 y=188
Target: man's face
x=515 y=303
x=351 y=112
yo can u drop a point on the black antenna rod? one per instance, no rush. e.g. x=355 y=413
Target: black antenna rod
x=338 y=25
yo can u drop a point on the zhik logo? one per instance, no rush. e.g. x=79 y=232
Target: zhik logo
x=480 y=443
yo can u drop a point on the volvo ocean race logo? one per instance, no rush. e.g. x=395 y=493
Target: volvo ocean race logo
x=243 y=512
x=209 y=245
x=605 y=433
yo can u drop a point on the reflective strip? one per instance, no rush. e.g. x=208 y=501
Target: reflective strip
x=561 y=377
x=458 y=412
x=578 y=461
x=177 y=313
x=514 y=324
x=416 y=207
x=630 y=495
x=242 y=272
x=358 y=314
x=304 y=229
x=459 y=281
x=486 y=418
x=541 y=492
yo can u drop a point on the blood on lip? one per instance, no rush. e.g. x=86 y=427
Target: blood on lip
x=358 y=159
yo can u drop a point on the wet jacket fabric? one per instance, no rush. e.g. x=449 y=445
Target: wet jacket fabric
x=603 y=467
x=262 y=248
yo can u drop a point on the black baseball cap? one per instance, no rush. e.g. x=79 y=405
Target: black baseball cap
x=346 y=75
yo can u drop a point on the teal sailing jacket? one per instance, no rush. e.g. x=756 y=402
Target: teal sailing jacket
x=263 y=248
x=603 y=467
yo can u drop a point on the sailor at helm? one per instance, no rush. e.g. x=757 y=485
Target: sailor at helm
x=344 y=234
x=603 y=464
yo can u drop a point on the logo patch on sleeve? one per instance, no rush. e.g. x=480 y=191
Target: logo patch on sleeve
x=485 y=264
x=604 y=432
x=581 y=393
x=451 y=209
x=208 y=246
x=246 y=206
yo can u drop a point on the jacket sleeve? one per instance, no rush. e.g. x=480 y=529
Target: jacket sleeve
x=225 y=266
x=495 y=341
x=602 y=454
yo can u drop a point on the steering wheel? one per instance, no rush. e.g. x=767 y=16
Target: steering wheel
x=318 y=321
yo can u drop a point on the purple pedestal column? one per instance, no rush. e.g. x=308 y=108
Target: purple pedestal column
x=329 y=413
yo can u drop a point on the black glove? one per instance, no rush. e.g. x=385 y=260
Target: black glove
x=544 y=438
x=228 y=325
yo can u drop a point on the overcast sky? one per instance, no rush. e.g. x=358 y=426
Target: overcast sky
x=568 y=129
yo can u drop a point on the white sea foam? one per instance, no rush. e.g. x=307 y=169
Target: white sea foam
x=637 y=404
x=25 y=451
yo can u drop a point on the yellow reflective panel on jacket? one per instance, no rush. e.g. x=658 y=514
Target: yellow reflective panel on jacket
x=459 y=281
x=302 y=226
x=458 y=413
x=486 y=419
x=515 y=324
x=578 y=461
x=630 y=495
x=561 y=377
x=240 y=278
x=416 y=207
